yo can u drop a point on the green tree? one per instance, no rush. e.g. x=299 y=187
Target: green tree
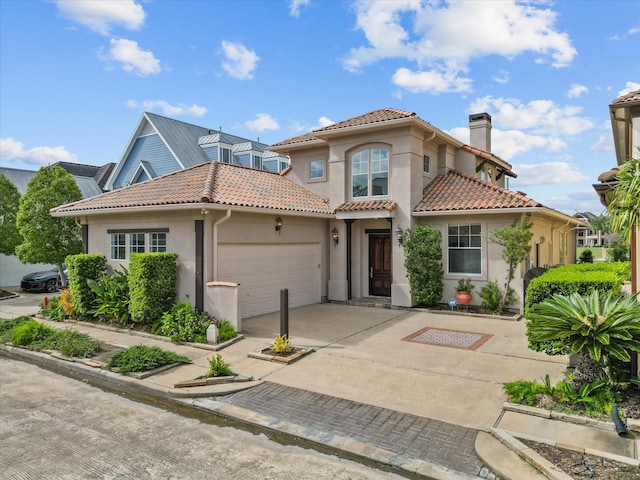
x=423 y=261
x=624 y=208
x=597 y=328
x=47 y=239
x=602 y=223
x=515 y=242
x=9 y=236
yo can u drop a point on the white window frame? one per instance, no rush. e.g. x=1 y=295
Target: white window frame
x=124 y=242
x=320 y=166
x=426 y=163
x=468 y=241
x=371 y=168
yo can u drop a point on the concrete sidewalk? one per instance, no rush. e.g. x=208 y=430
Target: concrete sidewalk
x=416 y=390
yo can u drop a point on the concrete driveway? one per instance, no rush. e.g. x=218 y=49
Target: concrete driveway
x=361 y=356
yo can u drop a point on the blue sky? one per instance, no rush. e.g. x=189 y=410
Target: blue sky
x=75 y=76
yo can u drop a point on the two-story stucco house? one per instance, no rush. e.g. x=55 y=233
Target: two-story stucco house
x=327 y=227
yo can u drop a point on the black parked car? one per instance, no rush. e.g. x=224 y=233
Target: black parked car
x=47 y=281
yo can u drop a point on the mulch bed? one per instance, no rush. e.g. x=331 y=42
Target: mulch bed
x=583 y=466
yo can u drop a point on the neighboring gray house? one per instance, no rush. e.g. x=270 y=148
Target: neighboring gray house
x=91 y=180
x=161 y=145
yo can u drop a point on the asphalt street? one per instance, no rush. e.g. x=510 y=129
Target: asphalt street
x=53 y=427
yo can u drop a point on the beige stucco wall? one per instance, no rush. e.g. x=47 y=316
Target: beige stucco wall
x=239 y=228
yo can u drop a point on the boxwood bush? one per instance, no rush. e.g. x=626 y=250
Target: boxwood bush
x=82 y=268
x=152 y=285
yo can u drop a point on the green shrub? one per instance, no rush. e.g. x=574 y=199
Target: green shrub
x=30 y=332
x=184 y=324
x=282 y=344
x=72 y=343
x=218 y=367
x=423 y=261
x=111 y=302
x=586 y=256
x=152 y=285
x=226 y=331
x=6 y=325
x=54 y=310
x=618 y=252
x=141 y=358
x=81 y=268
x=491 y=296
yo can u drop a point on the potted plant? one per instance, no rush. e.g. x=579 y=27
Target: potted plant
x=463 y=291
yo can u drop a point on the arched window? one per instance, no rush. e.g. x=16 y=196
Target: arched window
x=370 y=172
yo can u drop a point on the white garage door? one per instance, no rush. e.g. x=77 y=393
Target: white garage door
x=263 y=270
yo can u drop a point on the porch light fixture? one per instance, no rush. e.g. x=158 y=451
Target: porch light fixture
x=542 y=239
x=399 y=232
x=335 y=235
x=278 y=224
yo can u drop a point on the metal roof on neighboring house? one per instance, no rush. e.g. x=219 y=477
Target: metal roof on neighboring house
x=218 y=183
x=88 y=186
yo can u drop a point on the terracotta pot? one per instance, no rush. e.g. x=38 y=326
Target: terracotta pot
x=463 y=297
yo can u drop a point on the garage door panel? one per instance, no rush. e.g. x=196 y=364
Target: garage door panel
x=263 y=270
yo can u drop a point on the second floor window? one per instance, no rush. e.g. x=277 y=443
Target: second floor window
x=370 y=172
x=316 y=170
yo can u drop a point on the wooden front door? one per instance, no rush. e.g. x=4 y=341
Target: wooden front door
x=380 y=265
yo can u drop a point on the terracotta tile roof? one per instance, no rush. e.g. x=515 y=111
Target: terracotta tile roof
x=626 y=100
x=459 y=191
x=369 y=118
x=367 y=205
x=215 y=183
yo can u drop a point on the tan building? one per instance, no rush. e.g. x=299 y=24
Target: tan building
x=327 y=227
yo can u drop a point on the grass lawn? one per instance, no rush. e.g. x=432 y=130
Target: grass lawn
x=598 y=252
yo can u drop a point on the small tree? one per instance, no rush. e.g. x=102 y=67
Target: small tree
x=586 y=256
x=515 y=242
x=9 y=235
x=423 y=261
x=46 y=239
x=602 y=223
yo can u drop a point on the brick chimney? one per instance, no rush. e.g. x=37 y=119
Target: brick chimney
x=480 y=129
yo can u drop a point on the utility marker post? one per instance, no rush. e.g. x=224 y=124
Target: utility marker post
x=284 y=312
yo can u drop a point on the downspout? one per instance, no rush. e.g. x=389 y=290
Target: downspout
x=215 y=242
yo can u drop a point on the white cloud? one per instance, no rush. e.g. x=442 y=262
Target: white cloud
x=430 y=81
x=577 y=90
x=101 y=15
x=11 y=149
x=501 y=77
x=166 y=108
x=629 y=87
x=262 y=122
x=538 y=116
x=604 y=144
x=240 y=61
x=131 y=57
x=548 y=173
x=445 y=36
x=295 y=5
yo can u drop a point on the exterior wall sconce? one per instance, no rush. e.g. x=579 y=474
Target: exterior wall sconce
x=399 y=232
x=278 y=224
x=542 y=239
x=335 y=235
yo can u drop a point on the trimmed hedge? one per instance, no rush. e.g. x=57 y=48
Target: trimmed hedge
x=152 y=285
x=582 y=278
x=82 y=268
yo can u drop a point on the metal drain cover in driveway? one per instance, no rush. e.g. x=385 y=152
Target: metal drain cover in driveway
x=448 y=338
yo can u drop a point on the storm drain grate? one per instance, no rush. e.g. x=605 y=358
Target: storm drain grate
x=448 y=338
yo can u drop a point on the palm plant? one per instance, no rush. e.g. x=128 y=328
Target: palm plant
x=597 y=328
x=624 y=207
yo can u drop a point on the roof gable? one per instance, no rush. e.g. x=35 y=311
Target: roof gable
x=458 y=191
x=213 y=183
